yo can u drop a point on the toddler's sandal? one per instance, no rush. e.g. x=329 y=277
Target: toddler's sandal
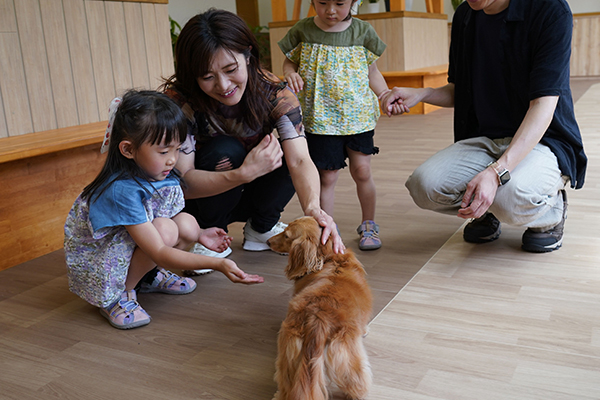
x=169 y=283
x=369 y=236
x=126 y=313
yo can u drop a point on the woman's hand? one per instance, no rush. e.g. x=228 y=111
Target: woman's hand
x=215 y=239
x=262 y=159
x=329 y=229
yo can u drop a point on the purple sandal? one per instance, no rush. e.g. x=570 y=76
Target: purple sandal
x=126 y=313
x=169 y=283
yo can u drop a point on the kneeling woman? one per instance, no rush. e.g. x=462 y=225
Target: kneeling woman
x=232 y=163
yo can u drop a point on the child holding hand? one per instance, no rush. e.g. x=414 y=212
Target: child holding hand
x=129 y=219
x=330 y=63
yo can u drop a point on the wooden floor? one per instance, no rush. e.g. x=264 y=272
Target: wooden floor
x=452 y=320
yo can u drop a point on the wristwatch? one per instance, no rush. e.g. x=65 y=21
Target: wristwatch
x=503 y=174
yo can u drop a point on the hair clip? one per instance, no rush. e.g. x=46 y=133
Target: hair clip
x=112 y=111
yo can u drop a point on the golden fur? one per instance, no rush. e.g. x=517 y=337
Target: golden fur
x=320 y=340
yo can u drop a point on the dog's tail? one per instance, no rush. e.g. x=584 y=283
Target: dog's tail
x=301 y=363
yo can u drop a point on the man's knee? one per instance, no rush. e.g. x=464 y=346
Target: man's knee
x=431 y=194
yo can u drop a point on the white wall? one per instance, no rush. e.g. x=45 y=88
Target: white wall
x=182 y=10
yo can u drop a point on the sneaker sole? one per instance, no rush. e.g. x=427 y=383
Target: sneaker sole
x=255 y=246
x=485 y=239
x=166 y=291
x=196 y=272
x=542 y=249
x=135 y=324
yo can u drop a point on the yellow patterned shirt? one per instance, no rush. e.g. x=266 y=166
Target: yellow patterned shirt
x=336 y=99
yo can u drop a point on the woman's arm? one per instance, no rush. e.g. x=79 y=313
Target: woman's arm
x=261 y=160
x=307 y=184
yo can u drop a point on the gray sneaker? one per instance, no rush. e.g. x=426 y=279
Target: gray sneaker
x=254 y=241
x=546 y=241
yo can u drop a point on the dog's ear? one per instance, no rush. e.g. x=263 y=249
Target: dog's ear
x=304 y=257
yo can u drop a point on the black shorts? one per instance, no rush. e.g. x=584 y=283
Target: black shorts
x=329 y=152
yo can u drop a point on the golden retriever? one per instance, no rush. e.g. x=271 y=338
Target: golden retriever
x=320 y=340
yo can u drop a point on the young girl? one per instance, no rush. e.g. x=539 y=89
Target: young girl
x=331 y=65
x=128 y=220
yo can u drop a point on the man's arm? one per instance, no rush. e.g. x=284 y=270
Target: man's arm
x=409 y=97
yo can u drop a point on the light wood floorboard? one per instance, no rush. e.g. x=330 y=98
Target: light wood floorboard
x=493 y=322
x=479 y=322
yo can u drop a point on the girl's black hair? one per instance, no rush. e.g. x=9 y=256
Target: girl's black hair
x=143 y=116
x=200 y=39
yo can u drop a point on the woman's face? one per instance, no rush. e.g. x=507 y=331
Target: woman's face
x=227 y=77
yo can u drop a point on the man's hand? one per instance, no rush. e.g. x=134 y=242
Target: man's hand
x=480 y=194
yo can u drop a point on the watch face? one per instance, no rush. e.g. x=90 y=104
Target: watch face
x=504 y=178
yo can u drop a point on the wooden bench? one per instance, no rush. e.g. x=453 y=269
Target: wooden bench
x=41 y=175
x=419 y=78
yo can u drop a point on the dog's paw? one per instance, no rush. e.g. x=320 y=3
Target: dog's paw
x=366 y=331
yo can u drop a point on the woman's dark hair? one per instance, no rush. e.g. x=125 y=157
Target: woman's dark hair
x=200 y=39
x=142 y=117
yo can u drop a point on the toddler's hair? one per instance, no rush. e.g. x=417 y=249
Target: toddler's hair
x=145 y=116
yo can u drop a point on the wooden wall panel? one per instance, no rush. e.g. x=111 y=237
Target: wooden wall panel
x=393 y=58
x=164 y=41
x=3 y=128
x=585 y=57
x=425 y=42
x=100 y=51
x=137 y=45
x=13 y=86
x=81 y=61
x=152 y=46
x=119 y=49
x=8 y=23
x=59 y=63
x=35 y=64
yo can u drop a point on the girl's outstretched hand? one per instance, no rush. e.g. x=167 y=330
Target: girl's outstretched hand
x=215 y=239
x=236 y=275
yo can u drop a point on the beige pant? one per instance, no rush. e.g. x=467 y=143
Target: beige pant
x=530 y=199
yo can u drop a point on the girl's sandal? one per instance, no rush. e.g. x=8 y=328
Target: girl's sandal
x=169 y=283
x=369 y=236
x=126 y=313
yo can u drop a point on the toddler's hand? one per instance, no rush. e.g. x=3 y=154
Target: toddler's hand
x=236 y=275
x=215 y=239
x=295 y=81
